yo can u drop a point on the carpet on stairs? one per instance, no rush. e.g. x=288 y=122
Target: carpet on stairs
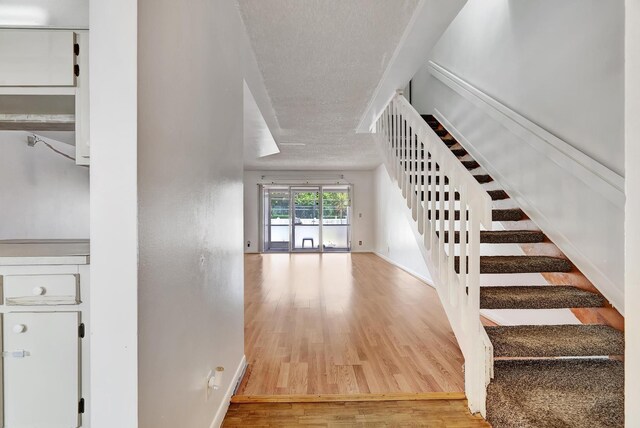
x=538 y=297
x=508 y=214
x=520 y=264
x=543 y=341
x=503 y=236
x=576 y=393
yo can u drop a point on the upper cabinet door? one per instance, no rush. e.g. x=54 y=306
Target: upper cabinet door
x=37 y=58
x=41 y=369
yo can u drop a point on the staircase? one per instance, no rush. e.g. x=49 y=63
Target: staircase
x=515 y=376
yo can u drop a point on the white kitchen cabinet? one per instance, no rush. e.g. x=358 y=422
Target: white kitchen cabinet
x=37 y=58
x=41 y=369
x=45 y=369
x=46 y=62
x=82 y=100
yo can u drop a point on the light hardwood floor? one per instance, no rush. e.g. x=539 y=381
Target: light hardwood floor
x=344 y=324
x=443 y=413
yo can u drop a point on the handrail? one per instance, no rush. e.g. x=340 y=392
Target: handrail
x=431 y=178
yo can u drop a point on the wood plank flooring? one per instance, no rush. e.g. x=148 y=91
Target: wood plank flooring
x=440 y=413
x=344 y=324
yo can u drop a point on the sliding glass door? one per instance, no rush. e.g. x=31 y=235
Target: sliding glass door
x=306 y=218
x=336 y=218
x=277 y=219
x=305 y=234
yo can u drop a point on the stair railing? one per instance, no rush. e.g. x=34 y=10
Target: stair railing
x=431 y=178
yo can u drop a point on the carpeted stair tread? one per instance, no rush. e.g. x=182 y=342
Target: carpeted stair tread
x=538 y=297
x=557 y=394
x=573 y=340
x=418 y=164
x=471 y=164
x=508 y=214
x=481 y=178
x=520 y=264
x=493 y=194
x=449 y=141
x=503 y=236
x=497 y=194
x=459 y=152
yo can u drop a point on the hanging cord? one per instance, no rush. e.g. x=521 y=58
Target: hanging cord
x=33 y=139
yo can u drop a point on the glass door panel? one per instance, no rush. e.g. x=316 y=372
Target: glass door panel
x=306 y=218
x=306 y=223
x=277 y=219
x=336 y=218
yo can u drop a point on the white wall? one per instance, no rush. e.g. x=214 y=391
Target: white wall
x=114 y=222
x=159 y=326
x=362 y=228
x=560 y=64
x=551 y=130
x=192 y=60
x=632 y=213
x=395 y=239
x=42 y=194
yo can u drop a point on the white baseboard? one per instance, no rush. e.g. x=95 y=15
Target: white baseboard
x=226 y=400
x=406 y=269
x=362 y=250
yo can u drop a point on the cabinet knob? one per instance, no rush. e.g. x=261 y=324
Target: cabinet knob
x=39 y=291
x=19 y=328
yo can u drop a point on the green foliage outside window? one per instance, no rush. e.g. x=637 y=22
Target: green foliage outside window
x=335 y=205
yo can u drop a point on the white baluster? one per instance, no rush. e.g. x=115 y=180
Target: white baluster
x=396 y=133
x=441 y=224
x=388 y=143
x=453 y=277
x=420 y=178
x=462 y=289
x=415 y=176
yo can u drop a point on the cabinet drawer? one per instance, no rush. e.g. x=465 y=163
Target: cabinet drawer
x=27 y=290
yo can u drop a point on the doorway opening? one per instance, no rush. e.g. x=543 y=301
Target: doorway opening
x=299 y=218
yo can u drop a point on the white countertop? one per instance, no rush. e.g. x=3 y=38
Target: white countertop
x=44 y=252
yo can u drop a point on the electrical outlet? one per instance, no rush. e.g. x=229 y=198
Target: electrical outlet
x=359 y=242
x=208 y=385
x=214 y=380
x=248 y=244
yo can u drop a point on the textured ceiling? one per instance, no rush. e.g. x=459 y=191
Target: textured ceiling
x=321 y=61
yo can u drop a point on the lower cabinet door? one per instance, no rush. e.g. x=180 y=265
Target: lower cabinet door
x=41 y=369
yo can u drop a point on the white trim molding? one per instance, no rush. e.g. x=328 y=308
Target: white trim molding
x=597 y=176
x=226 y=400
x=411 y=272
